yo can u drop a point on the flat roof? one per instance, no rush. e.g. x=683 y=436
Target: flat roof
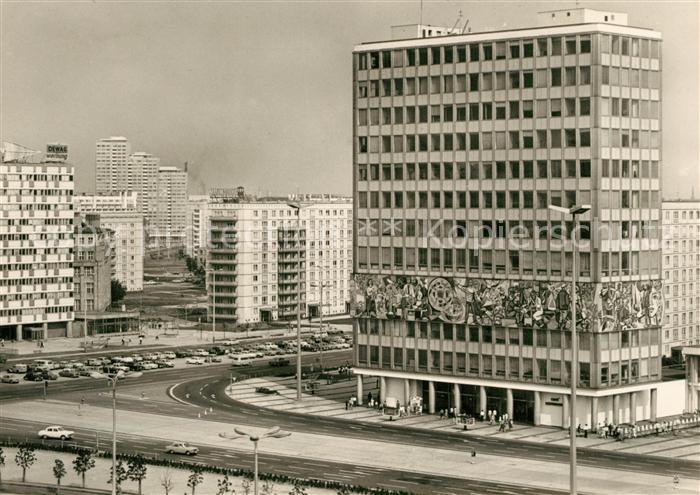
x=504 y=34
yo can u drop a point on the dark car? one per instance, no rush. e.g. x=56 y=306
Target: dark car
x=34 y=376
x=218 y=350
x=183 y=353
x=279 y=362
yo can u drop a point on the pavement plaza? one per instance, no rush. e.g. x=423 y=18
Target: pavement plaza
x=351 y=450
x=330 y=402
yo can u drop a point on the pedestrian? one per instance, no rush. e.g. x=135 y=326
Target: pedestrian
x=473 y=455
x=140 y=340
x=369 y=397
x=510 y=424
x=41 y=344
x=482 y=415
x=123 y=341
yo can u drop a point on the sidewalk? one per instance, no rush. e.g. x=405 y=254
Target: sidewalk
x=329 y=401
x=354 y=451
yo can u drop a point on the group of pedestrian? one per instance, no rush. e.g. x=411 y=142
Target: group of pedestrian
x=351 y=403
x=504 y=422
x=449 y=413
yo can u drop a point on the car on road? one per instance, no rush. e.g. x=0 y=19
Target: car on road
x=195 y=360
x=115 y=368
x=181 y=448
x=213 y=358
x=279 y=362
x=69 y=373
x=56 y=432
x=88 y=371
x=165 y=363
x=18 y=368
x=9 y=379
x=148 y=365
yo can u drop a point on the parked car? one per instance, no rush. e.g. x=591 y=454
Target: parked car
x=56 y=432
x=183 y=353
x=200 y=352
x=95 y=362
x=34 y=376
x=44 y=364
x=279 y=362
x=49 y=375
x=151 y=356
x=88 y=371
x=213 y=359
x=18 y=368
x=168 y=355
x=148 y=365
x=164 y=363
x=195 y=360
x=181 y=448
x=69 y=373
x=218 y=350
x=9 y=379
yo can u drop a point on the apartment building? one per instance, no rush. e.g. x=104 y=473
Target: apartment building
x=267 y=255
x=461 y=272
x=196 y=226
x=168 y=223
x=681 y=269
x=36 y=248
x=111 y=159
x=118 y=214
x=93 y=268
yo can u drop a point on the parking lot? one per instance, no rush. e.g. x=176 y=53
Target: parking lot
x=45 y=369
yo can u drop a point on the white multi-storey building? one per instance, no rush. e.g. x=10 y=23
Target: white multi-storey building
x=168 y=225
x=142 y=178
x=36 y=250
x=118 y=213
x=266 y=259
x=196 y=225
x=93 y=203
x=111 y=158
x=462 y=273
x=681 y=265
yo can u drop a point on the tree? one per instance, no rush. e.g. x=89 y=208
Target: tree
x=225 y=486
x=24 y=458
x=343 y=490
x=195 y=479
x=246 y=484
x=2 y=463
x=118 y=291
x=121 y=475
x=83 y=463
x=166 y=481
x=137 y=470
x=59 y=470
x=268 y=488
x=298 y=490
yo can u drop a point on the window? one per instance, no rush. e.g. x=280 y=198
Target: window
x=555 y=77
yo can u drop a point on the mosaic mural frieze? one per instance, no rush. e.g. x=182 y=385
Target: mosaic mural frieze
x=602 y=307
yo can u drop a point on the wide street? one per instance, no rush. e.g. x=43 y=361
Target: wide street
x=189 y=392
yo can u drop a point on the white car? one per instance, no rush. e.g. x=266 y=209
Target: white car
x=148 y=365
x=201 y=352
x=56 y=432
x=194 y=360
x=168 y=355
x=181 y=448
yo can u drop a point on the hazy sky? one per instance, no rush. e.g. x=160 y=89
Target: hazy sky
x=258 y=93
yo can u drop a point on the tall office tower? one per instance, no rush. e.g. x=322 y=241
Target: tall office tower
x=681 y=264
x=111 y=157
x=118 y=213
x=36 y=252
x=462 y=273
x=196 y=226
x=266 y=259
x=168 y=225
x=142 y=178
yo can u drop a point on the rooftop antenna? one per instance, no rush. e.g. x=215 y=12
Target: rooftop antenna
x=464 y=28
x=459 y=18
x=420 y=19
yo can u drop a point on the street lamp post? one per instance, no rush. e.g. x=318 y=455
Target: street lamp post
x=320 y=286
x=297 y=208
x=112 y=380
x=271 y=433
x=573 y=211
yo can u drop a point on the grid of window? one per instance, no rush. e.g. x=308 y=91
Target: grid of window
x=522 y=354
